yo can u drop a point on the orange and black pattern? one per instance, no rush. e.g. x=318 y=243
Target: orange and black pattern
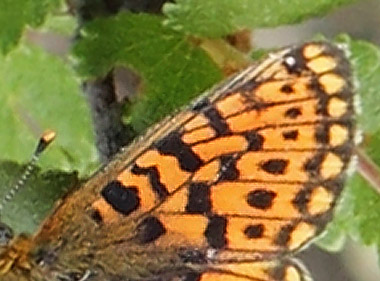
x=229 y=189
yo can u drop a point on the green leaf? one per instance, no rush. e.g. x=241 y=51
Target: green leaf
x=30 y=206
x=15 y=15
x=172 y=69
x=366 y=63
x=39 y=91
x=215 y=18
x=358 y=213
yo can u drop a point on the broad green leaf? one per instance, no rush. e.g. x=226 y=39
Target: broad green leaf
x=359 y=209
x=172 y=69
x=215 y=18
x=15 y=15
x=39 y=91
x=30 y=206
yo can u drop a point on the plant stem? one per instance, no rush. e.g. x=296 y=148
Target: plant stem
x=368 y=169
x=228 y=58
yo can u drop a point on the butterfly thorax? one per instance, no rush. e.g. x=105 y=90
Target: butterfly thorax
x=15 y=255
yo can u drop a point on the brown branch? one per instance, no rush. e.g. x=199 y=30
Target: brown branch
x=368 y=169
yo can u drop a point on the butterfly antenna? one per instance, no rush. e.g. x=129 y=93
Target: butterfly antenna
x=46 y=138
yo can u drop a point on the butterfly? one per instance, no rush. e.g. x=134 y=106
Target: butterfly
x=228 y=189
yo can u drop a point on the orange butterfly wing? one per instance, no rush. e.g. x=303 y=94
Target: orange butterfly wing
x=255 y=171
x=225 y=190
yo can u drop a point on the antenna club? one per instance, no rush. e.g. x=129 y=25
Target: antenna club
x=46 y=138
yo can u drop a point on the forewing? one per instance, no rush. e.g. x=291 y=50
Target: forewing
x=255 y=169
x=248 y=174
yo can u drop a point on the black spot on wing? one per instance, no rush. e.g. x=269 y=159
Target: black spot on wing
x=215 y=232
x=290 y=135
x=254 y=231
x=261 y=199
x=275 y=166
x=123 y=199
x=199 y=201
x=173 y=145
x=293 y=112
x=149 y=230
x=287 y=89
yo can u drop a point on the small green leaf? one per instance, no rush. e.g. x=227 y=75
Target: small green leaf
x=15 y=15
x=39 y=91
x=215 y=18
x=173 y=70
x=30 y=206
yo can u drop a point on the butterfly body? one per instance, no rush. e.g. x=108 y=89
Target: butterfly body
x=228 y=189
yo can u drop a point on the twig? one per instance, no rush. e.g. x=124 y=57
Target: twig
x=368 y=169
